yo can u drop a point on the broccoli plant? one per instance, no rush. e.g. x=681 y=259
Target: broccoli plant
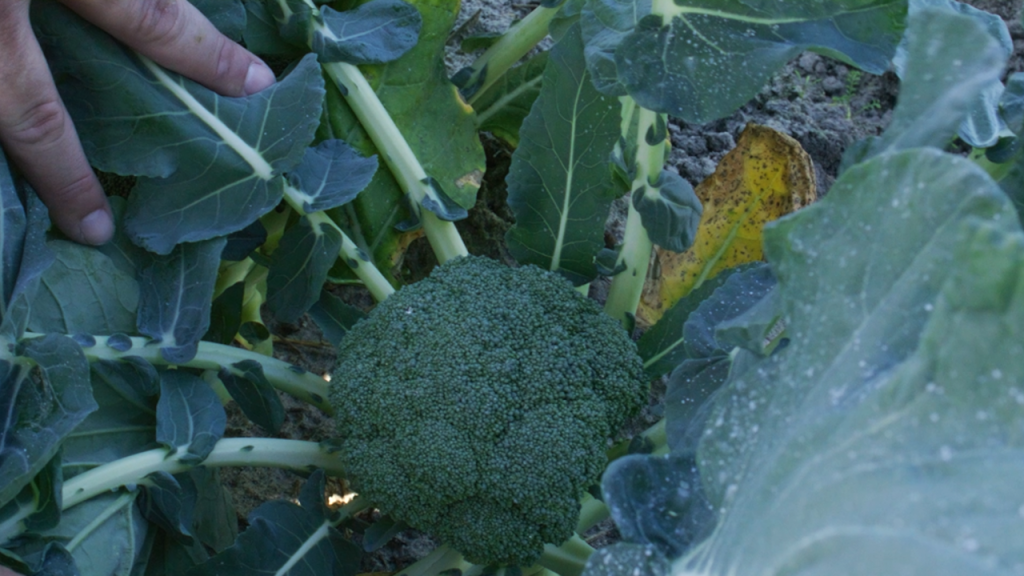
x=853 y=402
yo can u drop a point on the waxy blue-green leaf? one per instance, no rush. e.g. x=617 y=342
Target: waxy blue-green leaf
x=288 y=540
x=84 y=292
x=39 y=407
x=227 y=15
x=334 y=316
x=253 y=393
x=208 y=165
x=36 y=257
x=12 y=233
x=174 y=304
x=262 y=34
x=1011 y=105
x=981 y=126
x=330 y=175
x=886 y=438
x=559 y=185
x=189 y=416
x=37 y=506
x=299 y=266
x=169 y=503
x=684 y=60
x=125 y=422
x=502 y=108
x=104 y=535
x=241 y=244
x=669 y=210
x=605 y=24
x=226 y=314
x=941 y=83
x=376 y=32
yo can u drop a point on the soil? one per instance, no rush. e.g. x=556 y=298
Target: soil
x=820 y=102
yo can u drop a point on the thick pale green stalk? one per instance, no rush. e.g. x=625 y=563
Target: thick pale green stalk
x=627 y=286
x=513 y=45
x=404 y=165
x=285 y=377
x=569 y=559
x=374 y=281
x=592 y=511
x=265 y=452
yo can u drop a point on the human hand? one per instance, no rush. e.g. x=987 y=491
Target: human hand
x=35 y=129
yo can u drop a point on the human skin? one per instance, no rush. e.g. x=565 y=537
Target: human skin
x=36 y=131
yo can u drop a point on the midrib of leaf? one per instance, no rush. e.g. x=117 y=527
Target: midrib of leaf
x=306 y=547
x=556 y=256
x=676 y=10
x=499 y=104
x=115 y=507
x=119 y=430
x=259 y=165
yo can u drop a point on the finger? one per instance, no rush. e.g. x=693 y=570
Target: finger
x=177 y=36
x=36 y=132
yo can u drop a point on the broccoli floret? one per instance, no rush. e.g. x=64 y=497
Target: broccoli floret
x=476 y=405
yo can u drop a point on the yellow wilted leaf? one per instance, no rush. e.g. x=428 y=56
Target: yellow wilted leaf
x=767 y=175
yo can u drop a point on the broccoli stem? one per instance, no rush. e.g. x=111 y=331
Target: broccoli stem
x=440 y=560
x=513 y=45
x=293 y=454
x=568 y=559
x=654 y=440
x=400 y=158
x=301 y=384
x=365 y=269
x=592 y=511
x=627 y=286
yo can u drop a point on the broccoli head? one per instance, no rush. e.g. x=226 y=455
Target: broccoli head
x=476 y=405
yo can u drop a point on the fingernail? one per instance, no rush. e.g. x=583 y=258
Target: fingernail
x=97 y=228
x=257 y=78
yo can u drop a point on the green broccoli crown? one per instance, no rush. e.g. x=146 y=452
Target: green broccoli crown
x=476 y=405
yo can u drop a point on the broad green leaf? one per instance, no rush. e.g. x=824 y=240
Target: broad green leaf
x=886 y=438
x=189 y=417
x=605 y=24
x=241 y=244
x=103 y=535
x=125 y=422
x=502 y=108
x=226 y=314
x=559 y=186
x=216 y=523
x=289 y=540
x=227 y=15
x=334 y=317
x=766 y=176
x=299 y=266
x=262 y=36
x=376 y=32
x=84 y=292
x=940 y=83
x=12 y=233
x=39 y=407
x=681 y=58
x=36 y=257
x=330 y=175
x=662 y=347
x=124 y=253
x=169 y=503
x=445 y=141
x=253 y=393
x=1011 y=106
x=174 y=304
x=37 y=506
x=981 y=126
x=670 y=211
x=207 y=165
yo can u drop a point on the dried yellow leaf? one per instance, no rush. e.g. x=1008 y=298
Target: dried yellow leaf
x=767 y=176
